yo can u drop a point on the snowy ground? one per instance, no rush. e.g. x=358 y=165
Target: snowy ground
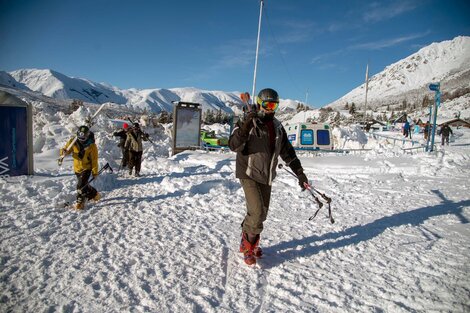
x=167 y=241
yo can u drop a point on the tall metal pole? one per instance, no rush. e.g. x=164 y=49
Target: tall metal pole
x=367 y=86
x=257 y=50
x=305 y=109
x=437 y=103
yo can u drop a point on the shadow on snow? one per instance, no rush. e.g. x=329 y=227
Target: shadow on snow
x=287 y=251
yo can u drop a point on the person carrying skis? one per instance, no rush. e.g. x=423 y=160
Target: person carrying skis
x=134 y=145
x=122 y=134
x=85 y=163
x=259 y=139
x=445 y=132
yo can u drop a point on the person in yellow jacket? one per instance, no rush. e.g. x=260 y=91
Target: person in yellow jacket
x=85 y=163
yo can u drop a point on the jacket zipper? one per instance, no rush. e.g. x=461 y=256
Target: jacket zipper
x=270 y=180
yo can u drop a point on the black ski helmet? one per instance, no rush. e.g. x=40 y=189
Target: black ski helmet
x=268 y=94
x=83 y=133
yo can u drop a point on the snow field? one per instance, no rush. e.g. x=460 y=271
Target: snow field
x=168 y=241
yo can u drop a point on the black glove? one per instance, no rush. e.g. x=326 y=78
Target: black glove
x=248 y=124
x=302 y=180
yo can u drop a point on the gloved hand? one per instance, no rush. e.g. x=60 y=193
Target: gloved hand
x=94 y=176
x=248 y=124
x=302 y=179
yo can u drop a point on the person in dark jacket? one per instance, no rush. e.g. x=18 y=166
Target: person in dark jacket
x=407 y=129
x=445 y=132
x=427 y=130
x=134 y=145
x=122 y=134
x=259 y=140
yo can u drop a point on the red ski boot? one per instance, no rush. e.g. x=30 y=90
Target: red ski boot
x=257 y=251
x=251 y=251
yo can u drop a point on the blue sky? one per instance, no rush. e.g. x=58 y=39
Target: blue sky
x=306 y=45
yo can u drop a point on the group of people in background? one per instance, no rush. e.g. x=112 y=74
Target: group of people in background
x=131 y=146
x=445 y=131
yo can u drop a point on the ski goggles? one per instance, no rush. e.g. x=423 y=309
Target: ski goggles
x=82 y=136
x=269 y=105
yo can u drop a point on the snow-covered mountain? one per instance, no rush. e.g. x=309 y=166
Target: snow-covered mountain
x=8 y=81
x=59 y=86
x=447 y=62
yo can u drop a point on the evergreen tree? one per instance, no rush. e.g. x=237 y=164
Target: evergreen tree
x=352 y=109
x=337 y=117
x=404 y=104
x=209 y=119
x=218 y=117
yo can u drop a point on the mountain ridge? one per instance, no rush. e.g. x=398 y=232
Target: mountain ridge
x=406 y=80
x=447 y=62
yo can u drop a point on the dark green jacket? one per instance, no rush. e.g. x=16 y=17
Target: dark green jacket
x=254 y=157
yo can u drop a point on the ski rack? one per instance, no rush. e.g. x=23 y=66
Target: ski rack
x=89 y=123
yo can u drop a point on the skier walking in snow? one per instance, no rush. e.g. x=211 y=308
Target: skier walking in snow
x=427 y=129
x=134 y=145
x=407 y=129
x=122 y=134
x=85 y=163
x=445 y=132
x=259 y=140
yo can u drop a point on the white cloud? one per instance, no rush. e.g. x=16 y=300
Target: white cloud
x=385 y=43
x=377 y=12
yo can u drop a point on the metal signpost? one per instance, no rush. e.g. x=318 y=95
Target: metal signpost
x=437 y=103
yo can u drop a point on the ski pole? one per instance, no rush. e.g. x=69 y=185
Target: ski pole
x=120 y=166
x=148 y=138
x=308 y=186
x=106 y=166
x=311 y=189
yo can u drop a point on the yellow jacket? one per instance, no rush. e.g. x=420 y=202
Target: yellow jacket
x=89 y=161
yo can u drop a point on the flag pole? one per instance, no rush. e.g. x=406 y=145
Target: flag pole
x=257 y=50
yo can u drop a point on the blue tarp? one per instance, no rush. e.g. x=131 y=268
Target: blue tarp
x=14 y=142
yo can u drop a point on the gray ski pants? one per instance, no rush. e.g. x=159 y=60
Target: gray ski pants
x=257 y=198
